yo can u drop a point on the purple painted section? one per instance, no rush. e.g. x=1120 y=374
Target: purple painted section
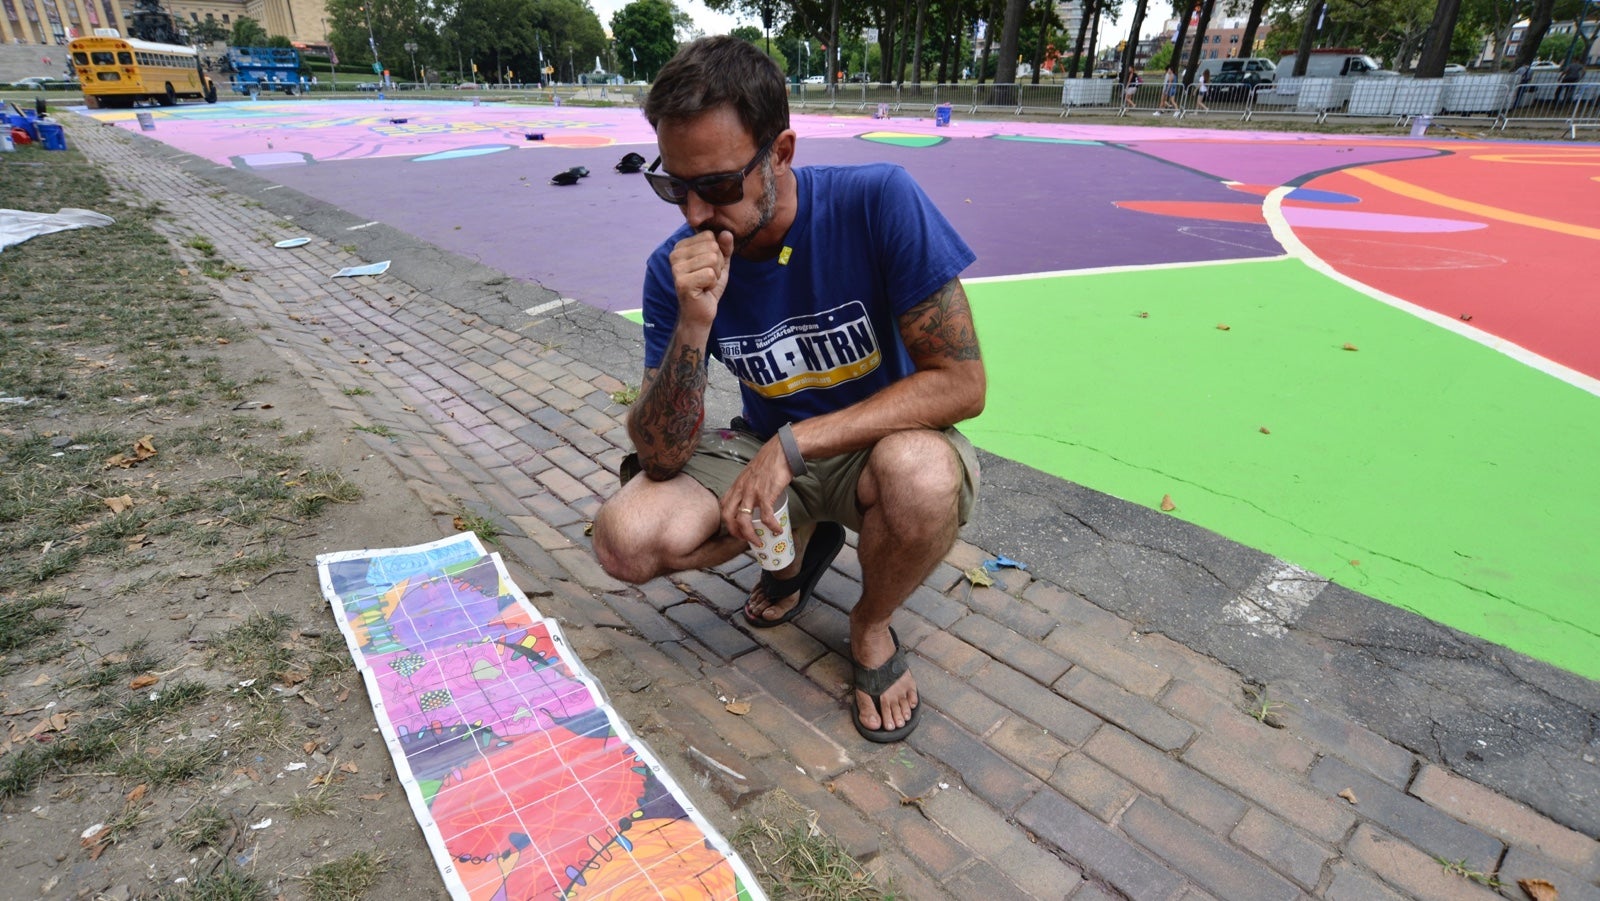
x=1024 y=206
x=1264 y=162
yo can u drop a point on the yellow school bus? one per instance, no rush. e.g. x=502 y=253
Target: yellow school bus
x=120 y=72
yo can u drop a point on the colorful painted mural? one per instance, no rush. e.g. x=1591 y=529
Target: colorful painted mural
x=527 y=784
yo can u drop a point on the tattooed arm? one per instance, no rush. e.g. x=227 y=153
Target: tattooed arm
x=664 y=422
x=948 y=386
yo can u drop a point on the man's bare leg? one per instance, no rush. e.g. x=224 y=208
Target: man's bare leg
x=649 y=529
x=910 y=493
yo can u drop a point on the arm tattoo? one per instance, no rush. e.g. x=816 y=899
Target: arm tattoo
x=665 y=422
x=941 y=326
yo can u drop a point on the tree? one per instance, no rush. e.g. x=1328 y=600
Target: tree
x=247 y=32
x=1247 y=41
x=1160 y=59
x=1556 y=46
x=1006 y=73
x=646 y=30
x=1436 y=49
x=1533 y=36
x=208 y=30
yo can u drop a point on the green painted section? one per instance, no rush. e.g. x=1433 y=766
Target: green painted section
x=1032 y=139
x=1421 y=468
x=633 y=316
x=902 y=140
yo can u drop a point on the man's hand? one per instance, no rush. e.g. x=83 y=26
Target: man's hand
x=760 y=487
x=700 y=265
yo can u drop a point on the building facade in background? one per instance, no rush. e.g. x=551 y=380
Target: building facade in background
x=53 y=22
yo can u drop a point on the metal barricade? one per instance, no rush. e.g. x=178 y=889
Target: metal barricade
x=919 y=98
x=1101 y=94
x=1280 y=98
x=1587 y=112
x=1476 y=95
x=1211 y=99
x=1039 y=98
x=1545 y=101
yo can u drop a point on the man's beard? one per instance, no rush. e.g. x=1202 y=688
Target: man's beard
x=766 y=208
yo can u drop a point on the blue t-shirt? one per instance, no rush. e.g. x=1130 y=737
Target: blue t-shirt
x=816 y=329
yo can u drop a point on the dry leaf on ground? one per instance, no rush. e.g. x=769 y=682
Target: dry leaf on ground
x=738 y=708
x=1167 y=505
x=1539 y=889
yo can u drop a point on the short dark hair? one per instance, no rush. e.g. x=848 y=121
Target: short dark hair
x=721 y=71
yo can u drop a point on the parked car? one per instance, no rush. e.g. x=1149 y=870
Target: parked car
x=367 y=86
x=1233 y=86
x=816 y=79
x=1455 y=69
x=45 y=83
x=860 y=78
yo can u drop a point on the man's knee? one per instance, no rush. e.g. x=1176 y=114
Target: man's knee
x=917 y=466
x=622 y=553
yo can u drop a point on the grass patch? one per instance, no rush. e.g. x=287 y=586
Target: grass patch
x=625 y=395
x=782 y=844
x=227 y=884
x=203 y=826
x=21 y=625
x=347 y=878
x=1460 y=868
x=482 y=525
x=1263 y=709
x=255 y=649
x=382 y=431
x=110 y=736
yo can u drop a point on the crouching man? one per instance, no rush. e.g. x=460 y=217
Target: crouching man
x=833 y=295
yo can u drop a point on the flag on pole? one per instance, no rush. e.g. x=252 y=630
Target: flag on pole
x=633 y=54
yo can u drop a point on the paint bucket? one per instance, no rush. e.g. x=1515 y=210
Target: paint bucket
x=883 y=111
x=147 y=122
x=941 y=115
x=52 y=136
x=1419 y=126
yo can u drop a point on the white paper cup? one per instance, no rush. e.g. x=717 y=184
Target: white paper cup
x=776 y=550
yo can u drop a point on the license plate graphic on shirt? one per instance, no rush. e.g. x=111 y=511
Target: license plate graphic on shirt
x=818 y=350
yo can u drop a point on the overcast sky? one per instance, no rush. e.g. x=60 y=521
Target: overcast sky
x=709 y=22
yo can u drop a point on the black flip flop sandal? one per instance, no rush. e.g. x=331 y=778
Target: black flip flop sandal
x=875 y=682
x=826 y=540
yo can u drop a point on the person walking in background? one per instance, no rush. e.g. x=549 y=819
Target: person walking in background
x=1130 y=87
x=1200 y=92
x=1169 y=90
x=1571 y=74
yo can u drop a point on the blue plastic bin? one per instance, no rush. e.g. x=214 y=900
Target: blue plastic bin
x=941 y=115
x=52 y=136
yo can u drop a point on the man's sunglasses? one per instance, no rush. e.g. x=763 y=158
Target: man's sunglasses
x=717 y=189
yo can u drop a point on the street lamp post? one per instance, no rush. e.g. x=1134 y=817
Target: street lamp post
x=411 y=48
x=372 y=41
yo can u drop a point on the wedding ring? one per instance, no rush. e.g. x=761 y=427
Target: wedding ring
x=745 y=510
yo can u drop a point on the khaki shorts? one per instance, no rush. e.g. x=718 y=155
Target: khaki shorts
x=826 y=493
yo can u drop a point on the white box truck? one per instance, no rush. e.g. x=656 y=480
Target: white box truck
x=1335 y=62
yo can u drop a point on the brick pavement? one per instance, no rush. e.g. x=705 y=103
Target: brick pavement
x=1065 y=752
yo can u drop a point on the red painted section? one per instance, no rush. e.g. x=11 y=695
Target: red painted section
x=1208 y=210
x=1529 y=285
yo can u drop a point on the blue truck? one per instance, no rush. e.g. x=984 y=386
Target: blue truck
x=258 y=70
